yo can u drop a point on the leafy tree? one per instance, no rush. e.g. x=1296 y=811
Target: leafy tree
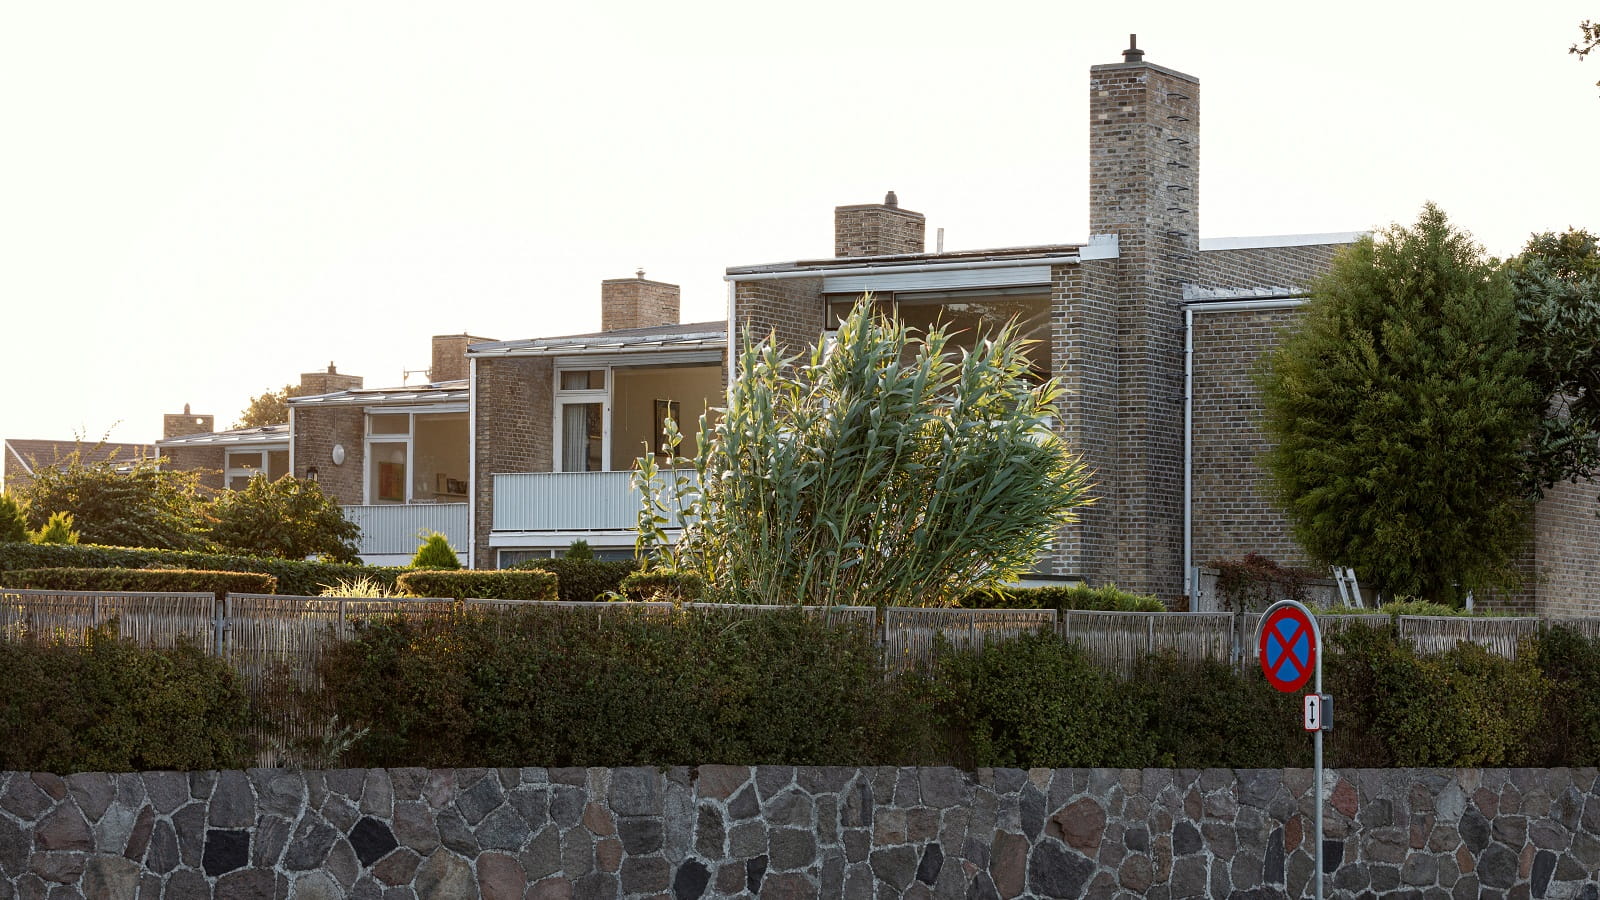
x=58 y=530
x=290 y=518
x=123 y=505
x=1557 y=285
x=887 y=469
x=1590 y=40
x=271 y=408
x=435 y=553
x=1400 y=412
x=579 y=549
x=13 y=524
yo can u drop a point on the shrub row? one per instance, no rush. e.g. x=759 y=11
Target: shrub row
x=1106 y=598
x=294 y=576
x=482 y=584
x=585 y=579
x=219 y=583
x=108 y=706
x=554 y=686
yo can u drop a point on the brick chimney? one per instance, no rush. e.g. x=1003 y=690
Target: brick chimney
x=179 y=424
x=312 y=383
x=637 y=303
x=878 y=229
x=450 y=356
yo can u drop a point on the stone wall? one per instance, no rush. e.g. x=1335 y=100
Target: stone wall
x=772 y=831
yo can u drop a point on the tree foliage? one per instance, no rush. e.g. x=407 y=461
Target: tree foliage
x=271 y=408
x=1400 y=412
x=1589 y=41
x=884 y=469
x=291 y=518
x=13 y=521
x=1557 y=285
x=58 y=530
x=435 y=553
x=124 y=505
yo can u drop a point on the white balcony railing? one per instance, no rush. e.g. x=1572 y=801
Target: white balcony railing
x=393 y=529
x=566 y=501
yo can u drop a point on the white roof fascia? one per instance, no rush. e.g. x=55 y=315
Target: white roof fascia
x=1265 y=303
x=713 y=343
x=1269 y=241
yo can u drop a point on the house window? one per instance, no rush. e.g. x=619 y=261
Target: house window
x=416 y=457
x=968 y=316
x=606 y=419
x=242 y=465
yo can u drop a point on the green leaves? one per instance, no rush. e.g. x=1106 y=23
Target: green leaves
x=1400 y=412
x=290 y=517
x=136 y=504
x=883 y=468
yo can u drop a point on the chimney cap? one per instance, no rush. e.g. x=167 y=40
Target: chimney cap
x=331 y=369
x=891 y=201
x=1133 y=53
x=186 y=410
x=639 y=274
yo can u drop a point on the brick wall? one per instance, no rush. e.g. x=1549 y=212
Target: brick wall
x=1084 y=355
x=878 y=229
x=515 y=398
x=1231 y=513
x=1567 y=551
x=449 y=361
x=1264 y=266
x=790 y=307
x=316 y=430
x=209 y=460
x=186 y=423
x=313 y=383
x=1144 y=163
x=637 y=303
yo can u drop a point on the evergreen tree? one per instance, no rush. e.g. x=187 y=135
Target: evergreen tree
x=13 y=524
x=435 y=553
x=1400 y=414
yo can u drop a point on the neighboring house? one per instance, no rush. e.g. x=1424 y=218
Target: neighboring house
x=396 y=458
x=24 y=457
x=557 y=423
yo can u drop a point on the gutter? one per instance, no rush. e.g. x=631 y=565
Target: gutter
x=472 y=462
x=891 y=269
x=1188 y=455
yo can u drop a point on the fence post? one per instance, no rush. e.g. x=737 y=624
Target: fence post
x=1149 y=633
x=94 y=612
x=339 y=629
x=219 y=613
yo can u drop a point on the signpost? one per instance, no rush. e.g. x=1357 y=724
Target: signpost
x=1289 y=648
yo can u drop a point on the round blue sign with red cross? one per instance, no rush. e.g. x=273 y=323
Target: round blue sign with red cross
x=1288 y=649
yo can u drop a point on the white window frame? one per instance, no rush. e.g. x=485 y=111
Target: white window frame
x=388 y=441
x=230 y=472
x=566 y=398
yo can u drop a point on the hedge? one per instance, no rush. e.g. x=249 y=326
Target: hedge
x=506 y=584
x=219 y=583
x=109 y=706
x=1106 y=598
x=664 y=584
x=294 y=576
x=585 y=579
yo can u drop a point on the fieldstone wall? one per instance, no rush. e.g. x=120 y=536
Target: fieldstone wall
x=774 y=831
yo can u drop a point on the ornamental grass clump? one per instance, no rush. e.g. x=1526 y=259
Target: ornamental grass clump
x=884 y=468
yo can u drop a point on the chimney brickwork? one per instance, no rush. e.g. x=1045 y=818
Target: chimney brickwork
x=878 y=229
x=449 y=361
x=313 y=383
x=637 y=303
x=184 y=423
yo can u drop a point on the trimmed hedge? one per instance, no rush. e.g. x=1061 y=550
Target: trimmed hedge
x=1107 y=598
x=110 y=706
x=584 y=579
x=219 y=583
x=568 y=688
x=505 y=584
x=294 y=576
x=664 y=584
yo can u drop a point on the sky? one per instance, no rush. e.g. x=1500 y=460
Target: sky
x=199 y=201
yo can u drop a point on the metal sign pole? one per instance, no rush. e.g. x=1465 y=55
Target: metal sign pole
x=1288 y=643
x=1316 y=738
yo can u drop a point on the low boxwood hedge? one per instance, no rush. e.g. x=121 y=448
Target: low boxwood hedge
x=219 y=583
x=506 y=584
x=584 y=579
x=294 y=576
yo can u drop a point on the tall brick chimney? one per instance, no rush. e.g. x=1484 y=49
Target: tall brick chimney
x=878 y=229
x=179 y=424
x=637 y=303
x=450 y=356
x=1144 y=184
x=312 y=383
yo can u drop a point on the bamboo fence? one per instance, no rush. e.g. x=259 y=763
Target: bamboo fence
x=910 y=635
x=152 y=619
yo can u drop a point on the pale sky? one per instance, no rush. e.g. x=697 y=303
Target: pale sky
x=199 y=201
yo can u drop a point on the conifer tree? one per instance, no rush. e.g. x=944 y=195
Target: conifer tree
x=1400 y=414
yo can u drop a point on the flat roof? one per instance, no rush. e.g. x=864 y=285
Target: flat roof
x=264 y=434
x=688 y=336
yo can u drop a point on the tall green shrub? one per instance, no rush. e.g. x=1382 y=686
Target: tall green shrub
x=1570 y=663
x=885 y=466
x=585 y=580
x=435 y=553
x=1400 y=413
x=136 y=504
x=58 y=530
x=13 y=524
x=290 y=517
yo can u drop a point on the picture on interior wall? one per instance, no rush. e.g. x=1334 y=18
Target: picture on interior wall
x=457 y=486
x=666 y=409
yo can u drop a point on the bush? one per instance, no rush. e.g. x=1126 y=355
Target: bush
x=1570 y=663
x=1465 y=707
x=131 y=505
x=58 y=530
x=219 y=583
x=112 y=707
x=1037 y=702
x=296 y=577
x=13 y=521
x=507 y=584
x=585 y=579
x=569 y=688
x=1253 y=582
x=290 y=517
x=1204 y=715
x=579 y=550
x=1106 y=598
x=435 y=553
x=659 y=584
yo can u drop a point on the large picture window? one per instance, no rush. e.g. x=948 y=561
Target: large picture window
x=606 y=419
x=242 y=465
x=416 y=457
